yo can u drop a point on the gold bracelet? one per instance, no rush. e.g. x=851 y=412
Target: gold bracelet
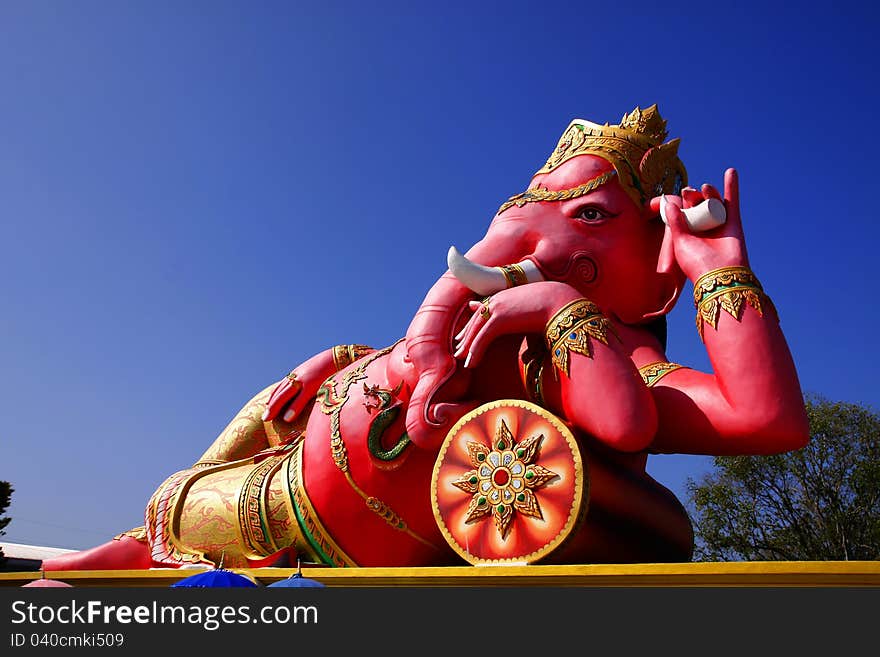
x=345 y=354
x=533 y=372
x=722 y=278
x=571 y=328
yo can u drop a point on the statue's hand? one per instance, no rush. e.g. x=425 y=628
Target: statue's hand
x=699 y=252
x=523 y=309
x=295 y=391
x=287 y=391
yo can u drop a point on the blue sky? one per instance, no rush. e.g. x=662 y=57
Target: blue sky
x=195 y=197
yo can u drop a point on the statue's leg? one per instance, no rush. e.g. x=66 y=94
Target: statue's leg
x=124 y=552
x=247 y=434
x=244 y=436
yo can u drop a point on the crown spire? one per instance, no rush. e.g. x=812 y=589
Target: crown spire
x=645 y=165
x=647 y=122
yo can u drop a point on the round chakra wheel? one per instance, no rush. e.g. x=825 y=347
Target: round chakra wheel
x=509 y=484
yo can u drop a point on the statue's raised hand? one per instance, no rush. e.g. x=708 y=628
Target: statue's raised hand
x=699 y=252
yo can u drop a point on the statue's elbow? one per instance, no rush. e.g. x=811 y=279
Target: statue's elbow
x=798 y=431
x=624 y=423
x=631 y=434
x=787 y=430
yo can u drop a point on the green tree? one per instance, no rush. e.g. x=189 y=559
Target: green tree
x=818 y=503
x=5 y=496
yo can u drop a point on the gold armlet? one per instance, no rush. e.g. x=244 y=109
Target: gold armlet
x=730 y=289
x=571 y=328
x=345 y=354
x=653 y=372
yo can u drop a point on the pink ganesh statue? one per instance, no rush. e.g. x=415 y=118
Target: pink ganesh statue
x=513 y=422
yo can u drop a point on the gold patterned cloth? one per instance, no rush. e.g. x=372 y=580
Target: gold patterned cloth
x=239 y=512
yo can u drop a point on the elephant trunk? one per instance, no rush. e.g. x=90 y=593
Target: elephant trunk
x=429 y=349
x=429 y=339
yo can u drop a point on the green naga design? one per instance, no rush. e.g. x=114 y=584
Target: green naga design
x=385 y=417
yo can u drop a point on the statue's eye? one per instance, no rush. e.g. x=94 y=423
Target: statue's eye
x=592 y=214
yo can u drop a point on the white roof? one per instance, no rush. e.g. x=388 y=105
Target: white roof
x=36 y=552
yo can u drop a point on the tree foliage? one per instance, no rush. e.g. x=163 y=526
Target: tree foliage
x=821 y=502
x=5 y=497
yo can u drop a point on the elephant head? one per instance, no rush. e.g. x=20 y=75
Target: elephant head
x=585 y=220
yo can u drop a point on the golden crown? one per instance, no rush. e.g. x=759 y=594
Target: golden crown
x=645 y=165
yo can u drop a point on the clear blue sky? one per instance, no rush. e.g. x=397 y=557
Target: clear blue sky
x=195 y=197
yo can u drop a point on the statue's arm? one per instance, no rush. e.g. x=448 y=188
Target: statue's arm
x=300 y=386
x=586 y=375
x=752 y=402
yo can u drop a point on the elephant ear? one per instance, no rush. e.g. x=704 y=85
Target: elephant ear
x=669 y=288
x=661 y=171
x=657 y=301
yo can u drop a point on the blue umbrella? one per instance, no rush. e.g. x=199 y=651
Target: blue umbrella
x=297 y=580
x=216 y=577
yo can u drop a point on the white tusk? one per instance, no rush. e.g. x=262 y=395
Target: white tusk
x=533 y=274
x=485 y=280
x=480 y=279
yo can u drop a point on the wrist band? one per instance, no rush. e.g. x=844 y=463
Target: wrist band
x=724 y=278
x=730 y=289
x=345 y=354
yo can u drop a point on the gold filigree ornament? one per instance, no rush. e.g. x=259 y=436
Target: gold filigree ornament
x=538 y=194
x=137 y=533
x=504 y=478
x=645 y=165
x=345 y=354
x=571 y=329
x=533 y=371
x=653 y=372
x=724 y=277
x=732 y=300
x=509 y=484
x=730 y=289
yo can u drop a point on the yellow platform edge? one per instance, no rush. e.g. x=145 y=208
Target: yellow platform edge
x=697 y=574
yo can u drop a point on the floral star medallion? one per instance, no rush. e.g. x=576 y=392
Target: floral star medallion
x=504 y=478
x=509 y=483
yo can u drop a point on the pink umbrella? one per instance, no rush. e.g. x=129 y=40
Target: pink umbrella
x=46 y=583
